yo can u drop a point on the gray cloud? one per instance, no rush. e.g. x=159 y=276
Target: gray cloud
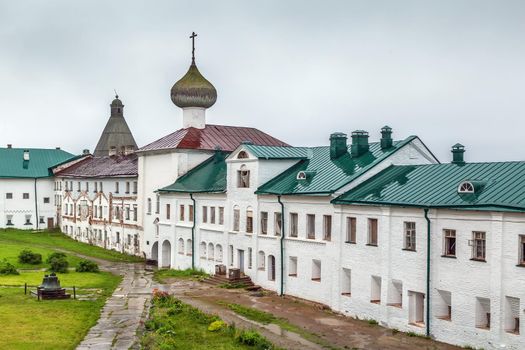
x=448 y=71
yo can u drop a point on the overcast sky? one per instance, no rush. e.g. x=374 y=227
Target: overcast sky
x=447 y=71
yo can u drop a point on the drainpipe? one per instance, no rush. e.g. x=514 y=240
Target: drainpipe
x=193 y=232
x=36 y=208
x=428 y=273
x=282 y=244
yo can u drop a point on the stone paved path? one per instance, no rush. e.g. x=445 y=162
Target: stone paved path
x=124 y=310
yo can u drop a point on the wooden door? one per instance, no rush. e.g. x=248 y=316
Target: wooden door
x=50 y=223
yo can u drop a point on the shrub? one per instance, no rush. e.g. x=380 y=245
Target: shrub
x=55 y=255
x=87 y=266
x=28 y=257
x=252 y=338
x=7 y=268
x=58 y=265
x=216 y=326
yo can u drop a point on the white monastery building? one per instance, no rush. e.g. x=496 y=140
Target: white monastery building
x=376 y=230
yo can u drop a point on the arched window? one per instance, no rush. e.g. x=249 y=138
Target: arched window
x=211 y=251
x=218 y=252
x=181 y=246
x=189 y=244
x=202 y=250
x=466 y=187
x=261 y=260
x=243 y=177
x=301 y=175
x=242 y=155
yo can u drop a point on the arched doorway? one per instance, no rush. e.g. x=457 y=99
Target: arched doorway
x=271 y=267
x=166 y=254
x=155 y=251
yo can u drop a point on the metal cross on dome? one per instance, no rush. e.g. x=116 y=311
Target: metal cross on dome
x=192 y=37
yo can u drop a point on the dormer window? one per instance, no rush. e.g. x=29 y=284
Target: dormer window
x=242 y=155
x=466 y=187
x=243 y=177
x=301 y=175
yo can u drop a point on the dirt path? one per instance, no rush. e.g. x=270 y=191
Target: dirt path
x=338 y=331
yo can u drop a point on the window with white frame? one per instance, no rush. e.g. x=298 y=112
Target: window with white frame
x=327 y=227
x=243 y=177
x=181 y=212
x=449 y=243
x=375 y=290
x=351 y=227
x=278 y=223
x=116 y=187
x=190 y=213
x=372 y=232
x=521 y=253
x=346 y=282
x=249 y=220
x=250 y=258
x=181 y=246
x=264 y=222
x=443 y=309
x=25 y=196
x=204 y=214
x=316 y=270
x=410 y=235
x=149 y=206
x=466 y=187
x=9 y=220
x=292 y=266
x=189 y=245
x=218 y=252
x=135 y=187
x=261 y=258
x=479 y=246
x=221 y=215
x=310 y=226
x=512 y=315
x=483 y=313
x=230 y=248
x=9 y=195
x=127 y=187
x=236 y=218
x=157 y=205
x=202 y=250
x=294 y=224
x=212 y=215
x=168 y=211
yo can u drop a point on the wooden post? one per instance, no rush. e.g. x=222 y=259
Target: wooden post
x=38 y=294
x=25 y=288
x=74 y=293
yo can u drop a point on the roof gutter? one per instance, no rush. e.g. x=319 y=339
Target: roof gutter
x=282 y=244
x=428 y=274
x=423 y=206
x=193 y=232
x=36 y=208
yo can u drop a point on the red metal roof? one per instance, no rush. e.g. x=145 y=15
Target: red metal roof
x=212 y=136
x=110 y=166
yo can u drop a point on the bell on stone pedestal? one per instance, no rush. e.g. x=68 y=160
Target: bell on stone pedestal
x=50 y=282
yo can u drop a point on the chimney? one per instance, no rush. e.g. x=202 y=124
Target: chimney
x=338 y=145
x=458 y=151
x=85 y=152
x=359 y=143
x=9 y=145
x=57 y=148
x=26 y=154
x=386 y=137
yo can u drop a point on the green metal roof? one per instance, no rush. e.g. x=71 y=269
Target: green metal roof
x=498 y=185
x=326 y=175
x=277 y=152
x=208 y=176
x=12 y=164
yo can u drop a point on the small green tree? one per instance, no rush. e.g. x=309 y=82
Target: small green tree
x=26 y=256
x=58 y=265
x=55 y=255
x=87 y=266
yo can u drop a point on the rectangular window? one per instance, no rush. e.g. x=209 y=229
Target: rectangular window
x=264 y=222
x=512 y=315
x=168 y=211
x=127 y=212
x=101 y=188
x=25 y=196
x=375 y=290
x=118 y=237
x=78 y=186
x=221 y=215
x=243 y=178
x=449 y=244
x=521 y=250
x=346 y=285
x=181 y=212
x=310 y=226
x=293 y=224
x=41 y=220
x=372 y=232
x=87 y=186
x=278 y=223
x=9 y=220
x=236 y=218
x=157 y=205
x=483 y=313
x=327 y=227
x=292 y=266
x=116 y=187
x=127 y=187
x=230 y=248
x=410 y=235
x=479 y=246
x=351 y=226
x=149 y=207
x=190 y=215
x=316 y=270
x=212 y=215
x=135 y=211
x=249 y=221
x=395 y=294
x=28 y=220
x=444 y=305
x=135 y=186
x=9 y=195
x=46 y=200
x=250 y=258
x=96 y=187
x=204 y=214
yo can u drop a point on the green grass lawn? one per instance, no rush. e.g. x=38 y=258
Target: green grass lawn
x=50 y=324
x=56 y=241
x=164 y=275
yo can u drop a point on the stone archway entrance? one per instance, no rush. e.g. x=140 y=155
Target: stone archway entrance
x=155 y=251
x=166 y=254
